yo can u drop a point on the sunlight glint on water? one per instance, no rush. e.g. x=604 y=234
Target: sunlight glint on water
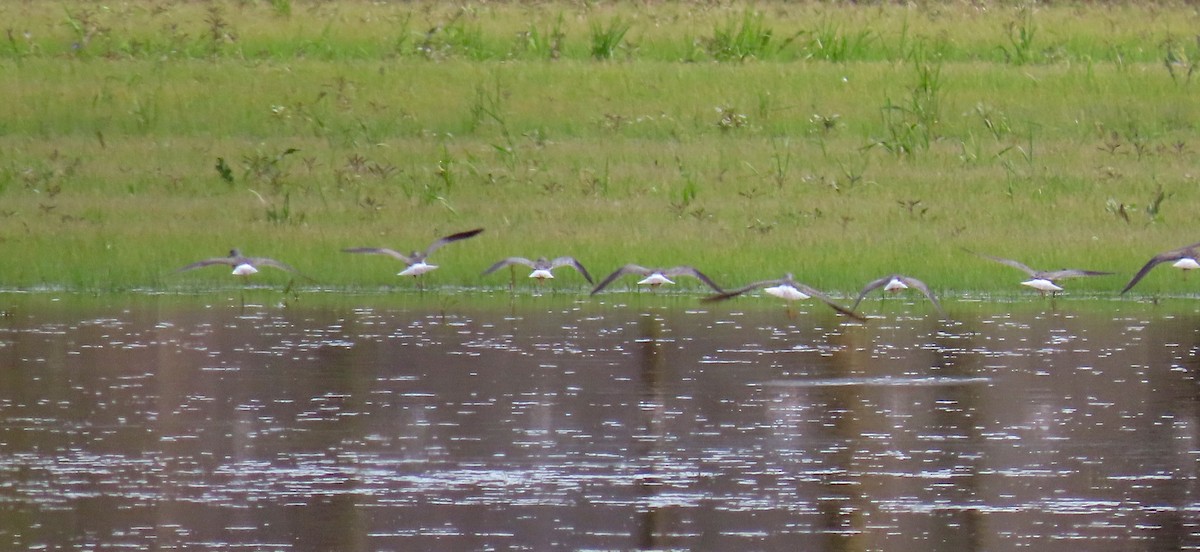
x=619 y=428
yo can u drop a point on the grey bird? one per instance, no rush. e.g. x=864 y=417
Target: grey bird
x=242 y=265
x=542 y=267
x=894 y=283
x=1044 y=280
x=788 y=289
x=1185 y=259
x=655 y=277
x=415 y=262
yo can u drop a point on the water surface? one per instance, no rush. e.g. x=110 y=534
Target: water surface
x=554 y=423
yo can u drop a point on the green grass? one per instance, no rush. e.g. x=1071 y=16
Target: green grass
x=838 y=143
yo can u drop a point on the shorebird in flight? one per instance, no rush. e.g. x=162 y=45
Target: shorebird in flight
x=542 y=267
x=655 y=277
x=788 y=289
x=242 y=265
x=1043 y=280
x=1185 y=259
x=415 y=263
x=896 y=283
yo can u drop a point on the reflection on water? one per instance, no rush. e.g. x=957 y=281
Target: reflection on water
x=563 y=425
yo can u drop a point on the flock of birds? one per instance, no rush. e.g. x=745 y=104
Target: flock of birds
x=786 y=288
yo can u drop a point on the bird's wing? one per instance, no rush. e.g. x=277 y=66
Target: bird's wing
x=1069 y=273
x=627 y=269
x=808 y=290
x=920 y=286
x=209 y=262
x=721 y=296
x=571 y=262
x=506 y=262
x=1187 y=250
x=265 y=261
x=451 y=238
x=1172 y=255
x=1169 y=256
x=689 y=271
x=872 y=286
x=380 y=251
x=1015 y=264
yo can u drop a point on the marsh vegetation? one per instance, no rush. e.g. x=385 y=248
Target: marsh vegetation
x=838 y=142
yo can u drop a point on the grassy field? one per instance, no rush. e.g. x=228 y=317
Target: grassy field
x=837 y=142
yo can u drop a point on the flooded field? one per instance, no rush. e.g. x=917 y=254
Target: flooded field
x=629 y=423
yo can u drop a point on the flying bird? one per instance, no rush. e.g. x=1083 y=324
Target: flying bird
x=542 y=267
x=655 y=277
x=1043 y=280
x=242 y=265
x=1185 y=259
x=788 y=289
x=895 y=283
x=415 y=263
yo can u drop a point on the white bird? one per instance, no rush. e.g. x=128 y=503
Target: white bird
x=1185 y=259
x=896 y=283
x=1043 y=280
x=242 y=265
x=542 y=267
x=415 y=263
x=655 y=277
x=788 y=289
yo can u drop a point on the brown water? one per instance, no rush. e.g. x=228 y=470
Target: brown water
x=555 y=424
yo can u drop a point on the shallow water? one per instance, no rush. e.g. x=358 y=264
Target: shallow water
x=556 y=424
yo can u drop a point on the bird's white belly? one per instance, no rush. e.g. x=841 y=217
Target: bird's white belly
x=416 y=269
x=1041 y=284
x=895 y=285
x=244 y=269
x=655 y=279
x=541 y=274
x=785 y=292
x=1186 y=263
